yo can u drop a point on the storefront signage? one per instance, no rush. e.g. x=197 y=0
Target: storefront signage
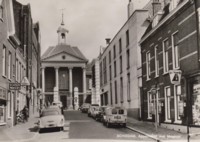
x=14 y=86
x=175 y=76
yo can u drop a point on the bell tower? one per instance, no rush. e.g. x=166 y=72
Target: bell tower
x=62 y=32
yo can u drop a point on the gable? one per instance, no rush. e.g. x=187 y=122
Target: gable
x=63 y=57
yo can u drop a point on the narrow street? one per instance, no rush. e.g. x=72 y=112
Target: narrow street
x=79 y=126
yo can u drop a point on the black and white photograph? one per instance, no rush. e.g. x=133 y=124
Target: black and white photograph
x=99 y=70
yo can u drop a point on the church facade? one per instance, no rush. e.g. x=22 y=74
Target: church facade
x=63 y=69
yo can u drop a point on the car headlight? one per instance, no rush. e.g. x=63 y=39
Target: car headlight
x=62 y=121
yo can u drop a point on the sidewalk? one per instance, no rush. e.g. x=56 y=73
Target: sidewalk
x=162 y=134
x=20 y=132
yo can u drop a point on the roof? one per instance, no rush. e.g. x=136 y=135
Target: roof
x=54 y=50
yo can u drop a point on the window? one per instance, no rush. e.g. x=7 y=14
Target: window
x=114 y=51
x=110 y=69
x=174 y=4
x=101 y=74
x=104 y=70
x=175 y=51
x=9 y=65
x=115 y=69
x=178 y=103
x=127 y=38
x=121 y=90
x=111 y=101
x=16 y=69
x=19 y=72
x=9 y=105
x=116 y=97
x=156 y=61
x=1 y=11
x=150 y=104
x=120 y=45
x=167 y=103
x=128 y=59
x=109 y=56
x=121 y=66
x=166 y=56
x=4 y=61
x=128 y=87
x=148 y=67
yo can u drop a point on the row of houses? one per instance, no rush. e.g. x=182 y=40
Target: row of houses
x=157 y=42
x=20 y=61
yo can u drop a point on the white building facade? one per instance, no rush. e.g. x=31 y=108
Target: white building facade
x=120 y=65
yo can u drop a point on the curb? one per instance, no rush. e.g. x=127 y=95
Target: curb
x=154 y=138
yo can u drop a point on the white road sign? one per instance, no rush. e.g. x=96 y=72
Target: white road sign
x=175 y=76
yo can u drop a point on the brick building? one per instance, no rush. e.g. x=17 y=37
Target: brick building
x=171 y=43
x=13 y=52
x=29 y=36
x=120 y=75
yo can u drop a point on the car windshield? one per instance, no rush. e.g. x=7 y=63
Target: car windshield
x=50 y=112
x=121 y=111
x=114 y=111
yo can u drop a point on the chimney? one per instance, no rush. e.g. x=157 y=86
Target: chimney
x=130 y=8
x=108 y=41
x=156 y=5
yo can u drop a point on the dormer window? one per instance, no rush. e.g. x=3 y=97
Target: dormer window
x=157 y=18
x=174 y=4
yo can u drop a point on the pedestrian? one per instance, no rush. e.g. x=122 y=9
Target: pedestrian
x=25 y=113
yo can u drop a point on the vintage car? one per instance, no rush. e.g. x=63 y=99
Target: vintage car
x=84 y=108
x=115 y=116
x=51 y=117
x=91 y=108
x=58 y=104
x=95 y=111
x=101 y=112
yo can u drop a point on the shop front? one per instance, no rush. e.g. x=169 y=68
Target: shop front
x=195 y=101
x=2 y=106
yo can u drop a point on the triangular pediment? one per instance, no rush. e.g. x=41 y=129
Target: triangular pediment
x=63 y=57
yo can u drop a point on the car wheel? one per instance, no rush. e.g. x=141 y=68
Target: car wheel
x=61 y=128
x=107 y=124
x=41 y=130
x=124 y=125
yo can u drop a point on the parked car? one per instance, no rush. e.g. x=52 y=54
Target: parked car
x=115 y=116
x=91 y=109
x=95 y=111
x=84 y=108
x=100 y=114
x=59 y=104
x=51 y=117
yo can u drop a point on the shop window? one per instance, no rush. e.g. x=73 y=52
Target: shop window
x=150 y=104
x=167 y=104
x=196 y=104
x=178 y=103
x=9 y=105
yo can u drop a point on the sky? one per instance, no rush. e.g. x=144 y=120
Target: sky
x=89 y=21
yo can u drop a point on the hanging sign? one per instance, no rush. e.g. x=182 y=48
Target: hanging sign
x=175 y=76
x=14 y=86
